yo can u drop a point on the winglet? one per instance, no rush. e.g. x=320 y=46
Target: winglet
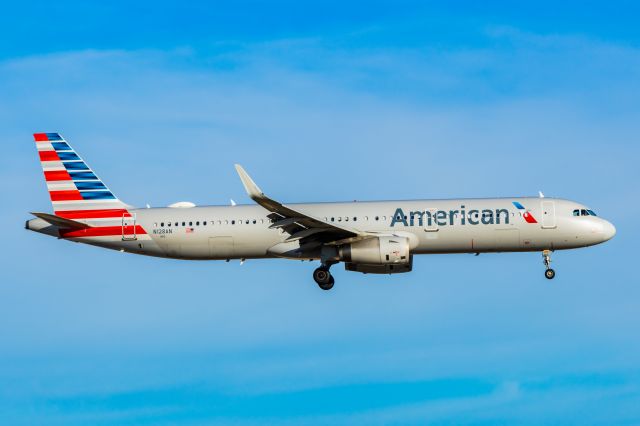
x=249 y=185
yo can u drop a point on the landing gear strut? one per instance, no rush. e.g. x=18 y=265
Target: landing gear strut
x=549 y=273
x=323 y=277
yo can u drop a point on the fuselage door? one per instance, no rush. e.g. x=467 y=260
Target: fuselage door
x=548 y=214
x=129 y=228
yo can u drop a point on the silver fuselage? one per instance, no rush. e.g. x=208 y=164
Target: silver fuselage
x=432 y=226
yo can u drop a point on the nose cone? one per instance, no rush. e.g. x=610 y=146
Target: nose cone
x=608 y=231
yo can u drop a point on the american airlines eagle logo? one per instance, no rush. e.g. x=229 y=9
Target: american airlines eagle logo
x=528 y=217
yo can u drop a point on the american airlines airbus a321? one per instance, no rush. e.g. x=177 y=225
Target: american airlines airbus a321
x=377 y=237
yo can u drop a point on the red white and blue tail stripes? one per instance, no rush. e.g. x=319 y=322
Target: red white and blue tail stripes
x=77 y=193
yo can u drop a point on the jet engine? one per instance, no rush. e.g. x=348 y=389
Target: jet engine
x=377 y=255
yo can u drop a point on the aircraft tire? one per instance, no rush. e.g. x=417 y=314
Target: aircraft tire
x=323 y=278
x=549 y=274
x=329 y=285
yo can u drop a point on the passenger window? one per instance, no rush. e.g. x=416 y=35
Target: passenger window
x=183 y=223
x=204 y=223
x=233 y=222
x=168 y=223
x=332 y=219
x=355 y=218
x=155 y=224
x=255 y=221
x=161 y=223
x=377 y=217
x=346 y=219
x=190 y=223
x=339 y=219
x=247 y=222
x=198 y=223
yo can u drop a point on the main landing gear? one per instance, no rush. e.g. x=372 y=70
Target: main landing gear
x=549 y=273
x=323 y=277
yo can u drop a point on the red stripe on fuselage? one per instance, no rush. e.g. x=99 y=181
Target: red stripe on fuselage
x=56 y=175
x=48 y=156
x=93 y=214
x=102 y=231
x=40 y=137
x=65 y=195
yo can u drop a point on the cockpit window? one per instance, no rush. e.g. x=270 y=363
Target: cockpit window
x=583 y=212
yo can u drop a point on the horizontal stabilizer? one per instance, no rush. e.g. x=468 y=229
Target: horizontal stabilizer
x=61 y=221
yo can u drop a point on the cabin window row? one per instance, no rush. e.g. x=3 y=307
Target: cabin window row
x=327 y=219
x=212 y=222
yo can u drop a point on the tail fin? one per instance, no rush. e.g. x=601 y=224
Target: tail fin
x=75 y=190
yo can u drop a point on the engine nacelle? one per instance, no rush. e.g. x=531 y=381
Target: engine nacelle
x=381 y=255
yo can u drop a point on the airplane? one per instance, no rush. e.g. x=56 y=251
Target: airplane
x=372 y=237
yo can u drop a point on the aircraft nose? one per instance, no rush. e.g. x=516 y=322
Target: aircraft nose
x=609 y=230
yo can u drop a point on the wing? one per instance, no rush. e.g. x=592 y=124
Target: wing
x=300 y=226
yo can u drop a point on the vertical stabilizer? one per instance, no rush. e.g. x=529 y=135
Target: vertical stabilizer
x=75 y=190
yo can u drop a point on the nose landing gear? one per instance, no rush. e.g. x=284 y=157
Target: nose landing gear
x=549 y=273
x=323 y=277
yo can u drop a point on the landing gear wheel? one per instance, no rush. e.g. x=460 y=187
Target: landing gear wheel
x=323 y=278
x=329 y=285
x=546 y=258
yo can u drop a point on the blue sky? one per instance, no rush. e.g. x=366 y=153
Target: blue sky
x=322 y=101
